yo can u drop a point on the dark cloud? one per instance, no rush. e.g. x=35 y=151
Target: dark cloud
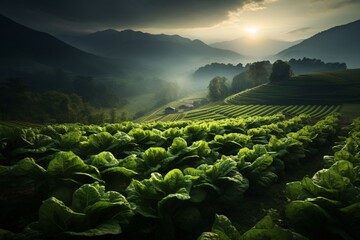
x=123 y=13
x=334 y=4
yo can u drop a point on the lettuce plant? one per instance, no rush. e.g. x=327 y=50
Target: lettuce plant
x=93 y=212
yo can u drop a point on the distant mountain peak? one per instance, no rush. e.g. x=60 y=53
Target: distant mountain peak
x=256 y=47
x=40 y=49
x=137 y=45
x=337 y=44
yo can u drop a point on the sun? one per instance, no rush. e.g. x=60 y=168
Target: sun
x=251 y=30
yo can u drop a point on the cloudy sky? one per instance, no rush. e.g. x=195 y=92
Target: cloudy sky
x=208 y=20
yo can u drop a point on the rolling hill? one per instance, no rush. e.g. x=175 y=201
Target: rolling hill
x=337 y=44
x=337 y=87
x=26 y=50
x=317 y=94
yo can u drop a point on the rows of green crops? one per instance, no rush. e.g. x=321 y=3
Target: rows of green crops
x=224 y=111
x=327 y=205
x=218 y=112
x=146 y=181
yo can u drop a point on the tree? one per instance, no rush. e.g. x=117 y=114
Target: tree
x=241 y=82
x=218 y=88
x=259 y=72
x=281 y=71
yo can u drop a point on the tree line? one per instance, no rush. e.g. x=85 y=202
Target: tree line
x=256 y=73
x=20 y=104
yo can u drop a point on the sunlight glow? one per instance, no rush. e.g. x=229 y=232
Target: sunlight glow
x=251 y=30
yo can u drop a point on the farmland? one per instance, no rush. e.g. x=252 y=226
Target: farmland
x=317 y=94
x=233 y=169
x=132 y=179
x=317 y=88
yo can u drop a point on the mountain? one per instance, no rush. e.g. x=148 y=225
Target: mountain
x=337 y=44
x=251 y=46
x=26 y=50
x=167 y=51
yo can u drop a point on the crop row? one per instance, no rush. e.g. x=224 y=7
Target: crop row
x=230 y=111
x=140 y=182
x=327 y=205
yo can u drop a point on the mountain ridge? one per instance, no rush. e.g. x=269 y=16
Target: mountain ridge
x=337 y=44
x=139 y=45
x=22 y=44
x=255 y=47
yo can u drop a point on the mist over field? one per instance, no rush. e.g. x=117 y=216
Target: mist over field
x=110 y=60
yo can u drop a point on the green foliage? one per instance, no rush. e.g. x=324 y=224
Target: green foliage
x=327 y=205
x=281 y=71
x=221 y=182
x=266 y=228
x=155 y=197
x=94 y=212
x=218 y=88
x=256 y=73
x=174 y=175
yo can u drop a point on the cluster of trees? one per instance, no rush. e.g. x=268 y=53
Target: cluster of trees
x=48 y=107
x=256 y=73
x=314 y=65
x=218 y=69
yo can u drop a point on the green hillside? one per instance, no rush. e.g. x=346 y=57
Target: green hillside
x=317 y=88
x=317 y=94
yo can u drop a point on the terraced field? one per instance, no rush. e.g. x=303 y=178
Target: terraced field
x=231 y=111
x=316 y=94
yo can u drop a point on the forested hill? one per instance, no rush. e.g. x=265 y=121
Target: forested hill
x=24 y=49
x=338 y=44
x=145 y=47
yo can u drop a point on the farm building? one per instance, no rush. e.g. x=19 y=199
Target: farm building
x=169 y=110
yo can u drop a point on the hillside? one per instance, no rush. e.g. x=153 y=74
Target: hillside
x=254 y=47
x=318 y=88
x=162 y=51
x=338 y=44
x=26 y=50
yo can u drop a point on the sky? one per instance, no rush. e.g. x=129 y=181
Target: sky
x=207 y=20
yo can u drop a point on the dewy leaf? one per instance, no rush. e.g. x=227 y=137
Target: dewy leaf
x=150 y=195
x=344 y=168
x=103 y=159
x=178 y=145
x=221 y=169
x=261 y=163
x=101 y=141
x=154 y=155
x=145 y=197
x=306 y=217
x=267 y=229
x=104 y=210
x=122 y=139
x=55 y=217
x=26 y=167
x=87 y=195
x=175 y=179
x=65 y=163
x=70 y=140
x=295 y=191
x=329 y=179
x=224 y=228
x=107 y=228
x=209 y=236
